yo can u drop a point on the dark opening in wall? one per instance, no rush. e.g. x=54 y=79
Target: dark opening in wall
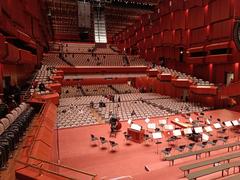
x=220 y=51
x=198 y=54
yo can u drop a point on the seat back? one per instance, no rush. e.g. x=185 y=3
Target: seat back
x=5 y=122
x=1 y=128
x=10 y=118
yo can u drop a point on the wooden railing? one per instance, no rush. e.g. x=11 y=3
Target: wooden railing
x=42 y=165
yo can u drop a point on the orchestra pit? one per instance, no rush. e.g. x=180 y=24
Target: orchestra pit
x=120 y=89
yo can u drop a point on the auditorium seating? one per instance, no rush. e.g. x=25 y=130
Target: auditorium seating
x=94 y=60
x=135 y=60
x=77 y=47
x=124 y=88
x=44 y=74
x=180 y=75
x=97 y=90
x=12 y=128
x=52 y=59
x=74 y=116
x=70 y=91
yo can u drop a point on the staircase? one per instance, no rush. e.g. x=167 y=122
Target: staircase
x=99 y=26
x=114 y=89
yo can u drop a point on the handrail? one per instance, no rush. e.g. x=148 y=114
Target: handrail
x=41 y=118
x=63 y=166
x=41 y=169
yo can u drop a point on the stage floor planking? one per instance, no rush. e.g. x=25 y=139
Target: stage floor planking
x=75 y=150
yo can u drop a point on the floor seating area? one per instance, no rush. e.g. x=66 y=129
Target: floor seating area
x=70 y=91
x=44 y=74
x=77 y=47
x=135 y=60
x=52 y=59
x=95 y=60
x=92 y=90
x=12 y=128
x=125 y=106
x=75 y=116
x=124 y=88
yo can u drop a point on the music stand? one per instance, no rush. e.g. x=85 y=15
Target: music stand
x=147 y=120
x=205 y=137
x=187 y=131
x=217 y=125
x=198 y=130
x=129 y=121
x=151 y=126
x=157 y=136
x=228 y=123
x=177 y=133
x=162 y=122
x=208 y=129
x=235 y=122
x=169 y=127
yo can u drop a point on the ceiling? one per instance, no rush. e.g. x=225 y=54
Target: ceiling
x=63 y=15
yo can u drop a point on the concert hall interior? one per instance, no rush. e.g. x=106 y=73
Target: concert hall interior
x=119 y=89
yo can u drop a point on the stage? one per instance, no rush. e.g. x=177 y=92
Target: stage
x=134 y=160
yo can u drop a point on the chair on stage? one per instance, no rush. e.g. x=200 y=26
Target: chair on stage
x=167 y=151
x=203 y=144
x=190 y=146
x=113 y=145
x=103 y=141
x=213 y=142
x=181 y=148
x=94 y=139
x=146 y=138
x=224 y=139
x=128 y=137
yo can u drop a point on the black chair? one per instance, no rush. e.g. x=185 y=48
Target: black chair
x=146 y=138
x=191 y=146
x=213 y=142
x=181 y=148
x=94 y=139
x=167 y=151
x=224 y=139
x=103 y=141
x=113 y=144
x=128 y=137
x=203 y=144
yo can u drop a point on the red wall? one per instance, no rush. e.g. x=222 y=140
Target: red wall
x=188 y=24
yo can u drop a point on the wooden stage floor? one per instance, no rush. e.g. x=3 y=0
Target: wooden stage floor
x=129 y=161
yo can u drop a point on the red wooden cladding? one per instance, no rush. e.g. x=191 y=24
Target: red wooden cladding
x=3 y=47
x=179 y=20
x=221 y=30
x=198 y=36
x=12 y=54
x=167 y=37
x=196 y=17
x=192 y=3
x=219 y=10
x=27 y=57
x=177 y=5
x=166 y=22
x=164 y=7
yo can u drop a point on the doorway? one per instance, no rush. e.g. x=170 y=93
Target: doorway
x=229 y=76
